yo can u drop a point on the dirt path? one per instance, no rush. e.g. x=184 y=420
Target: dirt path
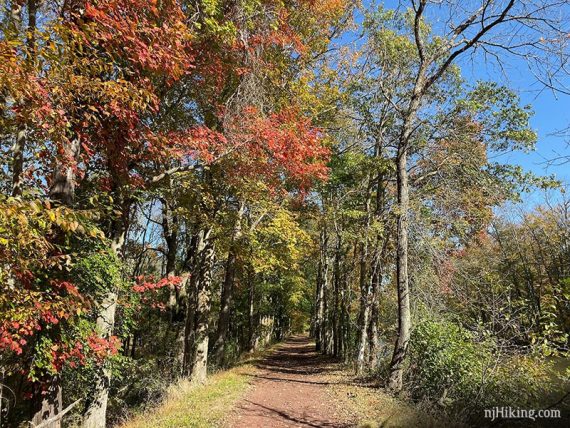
x=290 y=390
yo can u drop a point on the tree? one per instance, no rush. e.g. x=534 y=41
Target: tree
x=433 y=52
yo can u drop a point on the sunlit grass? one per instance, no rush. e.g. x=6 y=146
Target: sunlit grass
x=371 y=407
x=188 y=405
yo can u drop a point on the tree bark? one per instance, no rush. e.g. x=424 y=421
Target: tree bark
x=187 y=300
x=63 y=186
x=95 y=415
x=345 y=318
x=336 y=309
x=328 y=336
x=226 y=298
x=363 y=344
x=404 y=315
x=170 y=231
x=382 y=241
x=375 y=342
x=365 y=291
x=322 y=284
x=402 y=217
x=50 y=405
x=373 y=332
x=200 y=363
x=197 y=324
x=18 y=161
x=252 y=324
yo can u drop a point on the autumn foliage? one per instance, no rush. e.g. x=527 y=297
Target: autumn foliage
x=104 y=102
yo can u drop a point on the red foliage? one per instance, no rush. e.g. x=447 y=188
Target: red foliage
x=105 y=93
x=281 y=148
x=94 y=349
x=151 y=35
x=149 y=284
x=38 y=311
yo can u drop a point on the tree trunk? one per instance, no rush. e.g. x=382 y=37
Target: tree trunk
x=199 y=370
x=402 y=216
x=404 y=315
x=365 y=291
x=225 y=307
x=373 y=333
x=345 y=319
x=197 y=323
x=375 y=306
x=363 y=344
x=18 y=161
x=170 y=231
x=96 y=412
x=189 y=328
x=336 y=309
x=252 y=320
x=63 y=186
x=316 y=321
x=322 y=278
x=95 y=415
x=378 y=259
x=50 y=405
x=226 y=299
x=187 y=299
x=328 y=335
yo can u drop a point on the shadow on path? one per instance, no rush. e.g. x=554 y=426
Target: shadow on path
x=290 y=389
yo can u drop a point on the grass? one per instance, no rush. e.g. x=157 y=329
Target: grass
x=189 y=405
x=208 y=405
x=371 y=407
x=374 y=409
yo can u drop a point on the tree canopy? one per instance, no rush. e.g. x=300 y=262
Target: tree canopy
x=186 y=181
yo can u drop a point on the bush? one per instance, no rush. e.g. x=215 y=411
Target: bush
x=137 y=385
x=451 y=366
x=445 y=361
x=518 y=381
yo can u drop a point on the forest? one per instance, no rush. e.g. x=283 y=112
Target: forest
x=186 y=183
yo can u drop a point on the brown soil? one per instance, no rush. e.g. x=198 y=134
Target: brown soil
x=291 y=389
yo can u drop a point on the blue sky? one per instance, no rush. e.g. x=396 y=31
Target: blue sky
x=552 y=111
x=551 y=115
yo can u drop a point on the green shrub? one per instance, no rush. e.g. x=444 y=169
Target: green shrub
x=451 y=366
x=98 y=272
x=517 y=381
x=445 y=361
